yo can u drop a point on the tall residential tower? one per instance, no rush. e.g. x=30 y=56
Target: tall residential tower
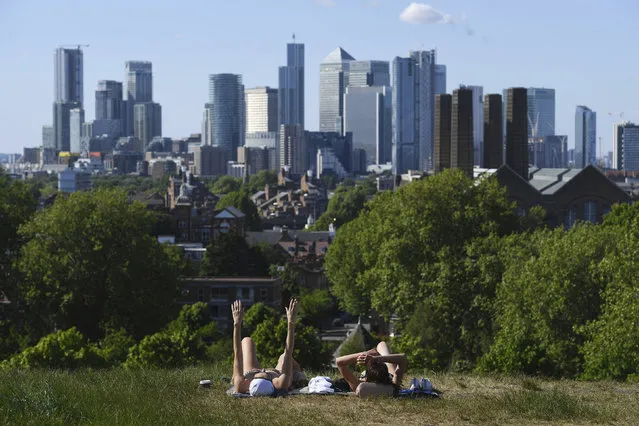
x=139 y=88
x=227 y=112
x=291 y=86
x=461 y=130
x=493 y=152
x=585 y=137
x=517 y=131
x=261 y=109
x=416 y=81
x=69 y=88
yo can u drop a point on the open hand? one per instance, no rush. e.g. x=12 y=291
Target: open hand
x=291 y=311
x=238 y=312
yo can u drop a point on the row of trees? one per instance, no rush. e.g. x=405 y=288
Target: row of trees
x=90 y=285
x=189 y=339
x=474 y=286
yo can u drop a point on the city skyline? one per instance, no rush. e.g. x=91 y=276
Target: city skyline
x=474 y=49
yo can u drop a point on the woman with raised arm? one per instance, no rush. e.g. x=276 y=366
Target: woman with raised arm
x=248 y=376
x=383 y=374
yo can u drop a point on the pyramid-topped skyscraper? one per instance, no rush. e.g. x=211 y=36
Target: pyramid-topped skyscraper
x=334 y=71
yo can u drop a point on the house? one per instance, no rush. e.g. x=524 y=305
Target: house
x=305 y=251
x=194 y=214
x=220 y=292
x=567 y=195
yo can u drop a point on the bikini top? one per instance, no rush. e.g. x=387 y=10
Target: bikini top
x=271 y=373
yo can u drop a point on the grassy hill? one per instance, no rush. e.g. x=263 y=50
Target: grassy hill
x=174 y=397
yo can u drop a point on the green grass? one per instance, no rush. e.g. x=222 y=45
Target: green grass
x=173 y=397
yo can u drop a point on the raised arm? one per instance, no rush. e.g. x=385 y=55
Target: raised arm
x=285 y=380
x=399 y=360
x=343 y=362
x=238 y=358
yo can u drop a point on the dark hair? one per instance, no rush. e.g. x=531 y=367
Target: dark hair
x=377 y=372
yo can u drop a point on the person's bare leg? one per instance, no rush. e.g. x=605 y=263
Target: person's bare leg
x=250 y=356
x=280 y=364
x=382 y=349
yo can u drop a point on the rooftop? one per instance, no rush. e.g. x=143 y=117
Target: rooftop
x=338 y=55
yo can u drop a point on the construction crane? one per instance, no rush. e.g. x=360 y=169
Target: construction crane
x=77 y=46
x=616 y=114
x=534 y=132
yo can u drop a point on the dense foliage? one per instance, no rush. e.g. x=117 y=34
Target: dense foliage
x=230 y=256
x=240 y=200
x=132 y=183
x=91 y=262
x=469 y=284
x=345 y=204
x=474 y=286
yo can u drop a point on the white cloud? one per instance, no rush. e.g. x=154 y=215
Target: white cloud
x=420 y=13
x=326 y=3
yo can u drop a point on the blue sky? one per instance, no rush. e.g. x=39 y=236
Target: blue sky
x=585 y=49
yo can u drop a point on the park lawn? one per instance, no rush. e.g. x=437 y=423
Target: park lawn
x=119 y=396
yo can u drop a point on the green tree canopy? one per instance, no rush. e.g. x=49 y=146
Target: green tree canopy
x=412 y=249
x=18 y=203
x=229 y=255
x=345 y=204
x=226 y=184
x=270 y=337
x=258 y=181
x=91 y=262
x=612 y=349
x=240 y=199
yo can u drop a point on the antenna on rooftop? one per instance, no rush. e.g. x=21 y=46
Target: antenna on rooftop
x=293 y=38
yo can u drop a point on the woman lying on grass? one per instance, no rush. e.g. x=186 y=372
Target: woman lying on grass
x=248 y=376
x=383 y=374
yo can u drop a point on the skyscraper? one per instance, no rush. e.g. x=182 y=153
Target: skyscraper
x=227 y=112
x=626 y=147
x=291 y=86
x=369 y=73
x=443 y=111
x=461 y=131
x=108 y=100
x=585 y=137
x=416 y=80
x=517 y=130
x=76 y=121
x=555 y=151
x=368 y=115
x=61 y=124
x=207 y=123
x=440 y=79
x=478 y=123
x=69 y=89
x=110 y=109
x=334 y=71
x=48 y=137
x=340 y=145
x=139 y=81
x=139 y=88
x=147 y=119
x=69 y=75
x=261 y=109
x=541 y=112
x=292 y=149
x=493 y=155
